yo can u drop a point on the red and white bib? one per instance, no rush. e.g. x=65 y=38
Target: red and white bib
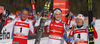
x=56 y=30
x=21 y=28
x=80 y=36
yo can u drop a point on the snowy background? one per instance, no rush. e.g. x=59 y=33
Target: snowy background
x=45 y=39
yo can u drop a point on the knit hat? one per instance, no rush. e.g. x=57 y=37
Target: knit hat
x=80 y=16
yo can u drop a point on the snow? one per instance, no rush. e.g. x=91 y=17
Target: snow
x=45 y=39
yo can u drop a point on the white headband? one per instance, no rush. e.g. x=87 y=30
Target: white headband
x=57 y=11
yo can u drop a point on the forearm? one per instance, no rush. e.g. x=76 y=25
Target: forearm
x=38 y=23
x=32 y=29
x=70 y=15
x=9 y=25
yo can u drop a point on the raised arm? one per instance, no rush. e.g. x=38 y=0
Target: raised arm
x=33 y=31
x=69 y=17
x=10 y=24
x=38 y=23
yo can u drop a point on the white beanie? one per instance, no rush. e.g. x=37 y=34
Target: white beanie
x=80 y=16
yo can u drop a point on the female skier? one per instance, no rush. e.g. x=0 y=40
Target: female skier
x=21 y=27
x=80 y=32
x=56 y=27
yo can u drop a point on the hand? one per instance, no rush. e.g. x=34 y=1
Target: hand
x=70 y=38
x=65 y=36
x=92 y=23
x=32 y=1
x=70 y=15
x=73 y=27
x=67 y=39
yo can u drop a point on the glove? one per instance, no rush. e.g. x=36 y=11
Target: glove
x=92 y=23
x=43 y=9
x=70 y=38
x=67 y=39
x=65 y=35
x=72 y=16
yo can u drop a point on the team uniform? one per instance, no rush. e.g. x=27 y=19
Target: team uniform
x=80 y=33
x=21 y=30
x=56 y=30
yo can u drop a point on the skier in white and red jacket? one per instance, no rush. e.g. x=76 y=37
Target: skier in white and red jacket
x=21 y=27
x=79 y=33
x=56 y=27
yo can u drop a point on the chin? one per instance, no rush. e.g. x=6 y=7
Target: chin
x=57 y=19
x=24 y=18
x=78 y=25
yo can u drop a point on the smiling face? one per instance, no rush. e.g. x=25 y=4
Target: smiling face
x=79 y=21
x=57 y=16
x=24 y=14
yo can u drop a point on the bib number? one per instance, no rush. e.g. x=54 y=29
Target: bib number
x=21 y=30
x=79 y=36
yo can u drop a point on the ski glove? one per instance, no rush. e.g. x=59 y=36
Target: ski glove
x=67 y=39
x=72 y=16
x=92 y=23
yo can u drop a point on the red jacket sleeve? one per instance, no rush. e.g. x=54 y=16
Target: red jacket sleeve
x=34 y=32
x=71 y=33
x=68 y=21
x=95 y=34
x=8 y=21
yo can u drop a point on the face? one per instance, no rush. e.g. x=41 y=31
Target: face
x=58 y=16
x=24 y=14
x=79 y=21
